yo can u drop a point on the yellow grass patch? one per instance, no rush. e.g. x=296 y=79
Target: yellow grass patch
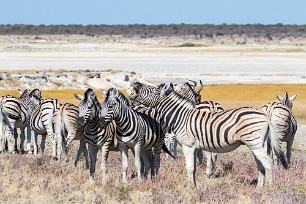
x=229 y=96
x=256 y=95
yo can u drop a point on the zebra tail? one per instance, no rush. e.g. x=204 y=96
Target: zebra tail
x=59 y=127
x=275 y=143
x=164 y=147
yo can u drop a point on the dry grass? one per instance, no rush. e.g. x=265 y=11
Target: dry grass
x=25 y=180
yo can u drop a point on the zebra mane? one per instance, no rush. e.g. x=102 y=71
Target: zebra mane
x=160 y=85
x=169 y=90
x=183 y=98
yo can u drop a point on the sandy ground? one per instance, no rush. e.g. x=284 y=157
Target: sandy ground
x=157 y=62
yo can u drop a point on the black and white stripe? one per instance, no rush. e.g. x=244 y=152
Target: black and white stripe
x=13 y=114
x=283 y=120
x=41 y=113
x=215 y=132
x=67 y=130
x=98 y=136
x=134 y=130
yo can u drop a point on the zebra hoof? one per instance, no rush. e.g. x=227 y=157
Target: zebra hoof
x=22 y=151
x=55 y=158
x=91 y=180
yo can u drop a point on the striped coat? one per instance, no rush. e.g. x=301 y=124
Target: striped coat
x=13 y=113
x=136 y=131
x=218 y=132
x=41 y=113
x=67 y=130
x=282 y=118
x=98 y=136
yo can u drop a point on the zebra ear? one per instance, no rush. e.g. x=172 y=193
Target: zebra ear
x=78 y=96
x=20 y=92
x=167 y=88
x=116 y=92
x=279 y=97
x=292 y=98
x=136 y=85
x=23 y=94
x=104 y=94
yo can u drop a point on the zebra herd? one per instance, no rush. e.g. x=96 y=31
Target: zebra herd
x=141 y=123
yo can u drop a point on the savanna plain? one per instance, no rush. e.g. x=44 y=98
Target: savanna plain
x=24 y=179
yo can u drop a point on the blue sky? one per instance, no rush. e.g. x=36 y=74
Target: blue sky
x=152 y=11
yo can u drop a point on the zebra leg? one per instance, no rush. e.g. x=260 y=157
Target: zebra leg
x=189 y=153
x=104 y=156
x=29 y=137
x=9 y=133
x=54 y=146
x=85 y=152
x=146 y=162
x=124 y=155
x=156 y=159
x=80 y=150
x=93 y=158
x=60 y=146
x=15 y=140
x=22 y=138
x=264 y=166
x=211 y=163
x=43 y=143
x=200 y=156
x=137 y=149
x=35 y=142
x=289 y=147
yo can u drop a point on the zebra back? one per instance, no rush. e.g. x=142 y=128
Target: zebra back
x=282 y=119
x=65 y=123
x=210 y=106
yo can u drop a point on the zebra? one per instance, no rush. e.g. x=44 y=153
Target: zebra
x=282 y=118
x=98 y=136
x=41 y=113
x=24 y=94
x=187 y=90
x=13 y=113
x=66 y=130
x=216 y=132
x=134 y=130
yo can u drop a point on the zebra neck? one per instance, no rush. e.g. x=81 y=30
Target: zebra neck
x=125 y=118
x=94 y=121
x=172 y=108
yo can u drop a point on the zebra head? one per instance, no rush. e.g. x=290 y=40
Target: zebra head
x=286 y=100
x=166 y=89
x=33 y=100
x=24 y=96
x=143 y=94
x=89 y=107
x=111 y=105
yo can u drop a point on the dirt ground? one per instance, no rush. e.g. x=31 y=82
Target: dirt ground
x=217 y=61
